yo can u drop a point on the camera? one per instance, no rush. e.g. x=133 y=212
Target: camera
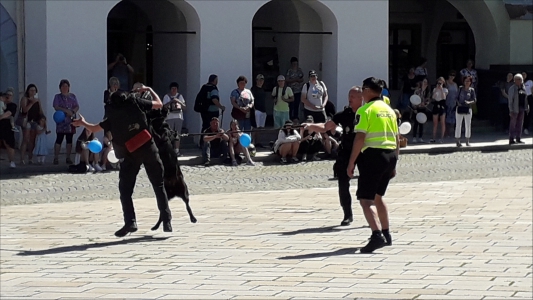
x=121 y=58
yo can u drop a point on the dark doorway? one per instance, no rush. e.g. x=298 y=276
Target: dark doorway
x=404 y=51
x=455 y=46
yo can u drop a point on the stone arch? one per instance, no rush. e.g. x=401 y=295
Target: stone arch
x=304 y=29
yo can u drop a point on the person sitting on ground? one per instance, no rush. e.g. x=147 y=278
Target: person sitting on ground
x=311 y=142
x=331 y=141
x=287 y=143
x=82 y=151
x=235 y=147
x=215 y=143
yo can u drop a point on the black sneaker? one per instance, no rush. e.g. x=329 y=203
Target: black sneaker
x=519 y=141
x=375 y=242
x=511 y=142
x=207 y=163
x=128 y=228
x=347 y=221
x=388 y=239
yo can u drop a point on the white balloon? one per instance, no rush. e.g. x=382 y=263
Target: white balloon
x=111 y=157
x=421 y=118
x=405 y=128
x=415 y=100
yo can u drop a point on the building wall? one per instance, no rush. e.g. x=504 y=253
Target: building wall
x=9 y=49
x=521 y=41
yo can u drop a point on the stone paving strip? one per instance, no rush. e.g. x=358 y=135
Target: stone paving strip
x=469 y=239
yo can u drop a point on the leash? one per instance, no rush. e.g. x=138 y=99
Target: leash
x=242 y=131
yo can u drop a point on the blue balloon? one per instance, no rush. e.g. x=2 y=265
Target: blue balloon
x=245 y=140
x=95 y=146
x=59 y=116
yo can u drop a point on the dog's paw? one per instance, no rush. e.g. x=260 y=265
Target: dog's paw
x=193 y=219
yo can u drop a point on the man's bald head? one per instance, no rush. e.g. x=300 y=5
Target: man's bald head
x=355 y=97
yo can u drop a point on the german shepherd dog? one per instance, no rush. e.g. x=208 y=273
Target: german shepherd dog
x=164 y=137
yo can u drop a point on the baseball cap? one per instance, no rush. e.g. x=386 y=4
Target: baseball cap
x=312 y=73
x=310 y=119
x=281 y=77
x=260 y=76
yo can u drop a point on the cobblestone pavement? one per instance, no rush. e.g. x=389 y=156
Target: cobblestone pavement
x=25 y=189
x=465 y=239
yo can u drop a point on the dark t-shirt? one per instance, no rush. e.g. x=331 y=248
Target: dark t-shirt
x=216 y=142
x=259 y=98
x=346 y=119
x=408 y=84
x=6 y=123
x=522 y=98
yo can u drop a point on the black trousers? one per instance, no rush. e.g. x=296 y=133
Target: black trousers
x=528 y=116
x=340 y=167
x=147 y=155
x=310 y=147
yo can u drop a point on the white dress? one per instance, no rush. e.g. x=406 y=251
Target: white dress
x=40 y=144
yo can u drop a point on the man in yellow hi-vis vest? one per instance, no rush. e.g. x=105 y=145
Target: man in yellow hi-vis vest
x=376 y=148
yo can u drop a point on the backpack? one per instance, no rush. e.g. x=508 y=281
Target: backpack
x=282 y=92
x=203 y=98
x=309 y=86
x=172 y=108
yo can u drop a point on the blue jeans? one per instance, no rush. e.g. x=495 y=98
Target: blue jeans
x=280 y=117
x=245 y=124
x=220 y=152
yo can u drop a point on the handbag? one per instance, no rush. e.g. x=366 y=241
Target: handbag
x=21 y=119
x=138 y=141
x=463 y=110
x=237 y=114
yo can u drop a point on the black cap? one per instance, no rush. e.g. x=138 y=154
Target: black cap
x=294 y=59
x=212 y=78
x=312 y=73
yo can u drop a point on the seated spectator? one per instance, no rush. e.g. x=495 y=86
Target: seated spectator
x=215 y=143
x=311 y=142
x=287 y=143
x=108 y=146
x=235 y=147
x=83 y=153
x=331 y=141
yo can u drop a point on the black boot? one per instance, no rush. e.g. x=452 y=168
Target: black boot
x=518 y=141
x=511 y=141
x=167 y=226
x=127 y=228
x=375 y=242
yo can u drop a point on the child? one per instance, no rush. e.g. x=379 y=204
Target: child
x=235 y=147
x=11 y=119
x=41 y=148
x=82 y=152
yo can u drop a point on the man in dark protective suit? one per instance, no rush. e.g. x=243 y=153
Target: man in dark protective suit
x=134 y=144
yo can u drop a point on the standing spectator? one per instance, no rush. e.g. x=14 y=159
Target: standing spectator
x=242 y=101
x=41 y=145
x=215 y=143
x=121 y=70
x=235 y=147
x=470 y=71
x=67 y=103
x=315 y=98
x=295 y=79
x=451 y=98
x=209 y=101
x=465 y=100
x=439 y=109
x=518 y=106
x=30 y=115
x=175 y=104
x=7 y=135
x=114 y=85
x=282 y=96
x=287 y=143
x=528 y=84
x=408 y=89
x=504 y=101
x=421 y=72
x=423 y=91
x=260 y=107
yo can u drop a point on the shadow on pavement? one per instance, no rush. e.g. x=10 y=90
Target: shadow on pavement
x=345 y=251
x=326 y=229
x=142 y=239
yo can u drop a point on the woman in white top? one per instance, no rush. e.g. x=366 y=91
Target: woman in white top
x=175 y=104
x=528 y=84
x=287 y=143
x=439 y=109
